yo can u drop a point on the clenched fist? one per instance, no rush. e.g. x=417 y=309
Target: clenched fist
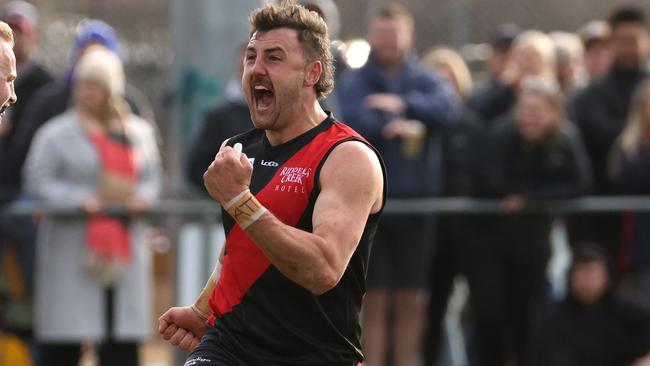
x=228 y=175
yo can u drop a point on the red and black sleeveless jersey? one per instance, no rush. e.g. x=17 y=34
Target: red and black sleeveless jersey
x=261 y=315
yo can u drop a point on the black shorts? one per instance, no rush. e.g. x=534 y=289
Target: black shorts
x=401 y=253
x=212 y=352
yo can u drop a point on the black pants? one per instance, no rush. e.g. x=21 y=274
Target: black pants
x=453 y=237
x=110 y=352
x=20 y=233
x=506 y=275
x=68 y=354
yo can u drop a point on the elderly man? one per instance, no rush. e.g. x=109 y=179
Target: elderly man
x=7 y=73
x=7 y=68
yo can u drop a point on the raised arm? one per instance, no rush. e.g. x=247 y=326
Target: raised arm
x=351 y=188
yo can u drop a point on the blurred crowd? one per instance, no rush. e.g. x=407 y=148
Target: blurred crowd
x=561 y=115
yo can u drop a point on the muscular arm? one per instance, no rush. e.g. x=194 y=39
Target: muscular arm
x=351 y=188
x=184 y=326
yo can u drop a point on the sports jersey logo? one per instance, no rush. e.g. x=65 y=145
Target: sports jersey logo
x=292 y=179
x=294 y=175
x=269 y=163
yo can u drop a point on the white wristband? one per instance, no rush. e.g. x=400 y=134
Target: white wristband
x=230 y=203
x=253 y=218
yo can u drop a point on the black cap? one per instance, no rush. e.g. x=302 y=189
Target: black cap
x=504 y=34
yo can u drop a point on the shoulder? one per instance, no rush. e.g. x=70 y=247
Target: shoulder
x=228 y=116
x=353 y=158
x=52 y=91
x=570 y=133
x=62 y=123
x=140 y=128
x=354 y=170
x=225 y=108
x=139 y=124
x=352 y=77
x=594 y=90
x=57 y=129
x=41 y=75
x=414 y=72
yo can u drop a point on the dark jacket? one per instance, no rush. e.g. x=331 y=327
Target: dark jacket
x=31 y=78
x=224 y=121
x=601 y=112
x=555 y=168
x=461 y=154
x=428 y=99
x=611 y=332
x=492 y=101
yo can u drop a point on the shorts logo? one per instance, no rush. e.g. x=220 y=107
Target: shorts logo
x=198 y=361
x=269 y=163
x=292 y=179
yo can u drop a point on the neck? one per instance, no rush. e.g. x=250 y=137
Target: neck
x=306 y=117
x=93 y=119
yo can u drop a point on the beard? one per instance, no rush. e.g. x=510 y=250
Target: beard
x=273 y=112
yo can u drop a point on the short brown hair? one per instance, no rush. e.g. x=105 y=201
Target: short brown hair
x=312 y=35
x=396 y=11
x=6 y=34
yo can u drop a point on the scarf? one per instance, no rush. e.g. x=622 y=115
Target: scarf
x=107 y=237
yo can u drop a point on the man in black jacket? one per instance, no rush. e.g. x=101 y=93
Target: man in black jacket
x=18 y=232
x=601 y=111
x=227 y=119
x=22 y=18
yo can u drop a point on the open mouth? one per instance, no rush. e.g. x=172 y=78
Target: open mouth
x=263 y=97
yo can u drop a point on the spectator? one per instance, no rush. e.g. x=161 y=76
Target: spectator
x=328 y=10
x=570 y=56
x=55 y=98
x=630 y=169
x=94 y=274
x=501 y=45
x=533 y=155
x=229 y=118
x=23 y=19
x=460 y=160
x=601 y=111
x=19 y=231
x=595 y=37
x=399 y=108
x=593 y=326
x=532 y=54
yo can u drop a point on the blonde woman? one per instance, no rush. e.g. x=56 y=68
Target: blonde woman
x=535 y=154
x=451 y=66
x=532 y=54
x=93 y=274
